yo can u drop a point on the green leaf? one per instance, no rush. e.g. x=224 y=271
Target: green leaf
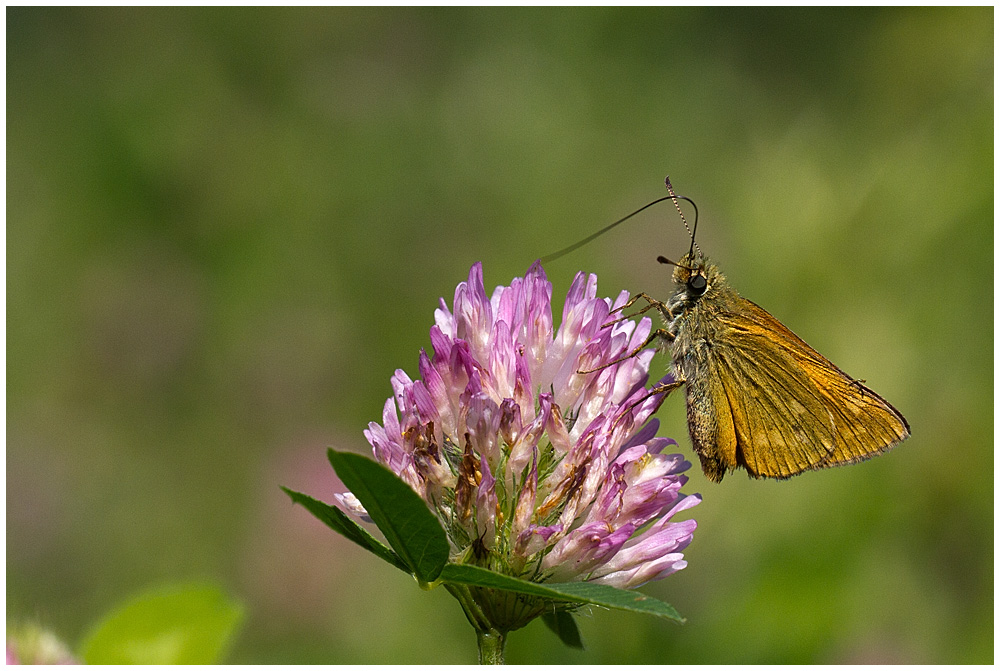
x=564 y=626
x=186 y=624
x=337 y=520
x=573 y=592
x=408 y=524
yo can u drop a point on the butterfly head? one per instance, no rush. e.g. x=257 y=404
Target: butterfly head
x=692 y=275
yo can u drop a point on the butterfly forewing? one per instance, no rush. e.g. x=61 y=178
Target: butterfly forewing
x=788 y=408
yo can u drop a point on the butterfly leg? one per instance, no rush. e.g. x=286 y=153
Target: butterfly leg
x=643 y=295
x=658 y=333
x=653 y=303
x=664 y=389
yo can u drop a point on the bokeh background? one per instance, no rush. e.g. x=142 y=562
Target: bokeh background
x=227 y=228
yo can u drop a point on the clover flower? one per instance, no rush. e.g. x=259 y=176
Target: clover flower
x=535 y=467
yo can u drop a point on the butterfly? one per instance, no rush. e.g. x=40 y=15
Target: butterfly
x=758 y=397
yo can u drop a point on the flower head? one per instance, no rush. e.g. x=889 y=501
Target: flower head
x=535 y=469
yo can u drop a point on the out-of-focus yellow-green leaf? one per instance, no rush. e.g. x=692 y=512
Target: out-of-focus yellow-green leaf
x=189 y=624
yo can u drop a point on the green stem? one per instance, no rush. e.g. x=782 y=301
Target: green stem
x=491 y=646
x=491 y=641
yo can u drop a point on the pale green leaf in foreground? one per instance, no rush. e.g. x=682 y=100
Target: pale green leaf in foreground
x=186 y=624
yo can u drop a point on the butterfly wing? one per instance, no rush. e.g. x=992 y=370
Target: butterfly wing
x=780 y=407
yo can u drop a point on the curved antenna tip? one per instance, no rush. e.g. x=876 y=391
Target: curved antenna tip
x=673 y=196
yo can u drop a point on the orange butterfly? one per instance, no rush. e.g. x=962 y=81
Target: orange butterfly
x=758 y=397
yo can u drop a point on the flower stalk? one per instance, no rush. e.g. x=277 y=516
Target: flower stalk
x=491 y=646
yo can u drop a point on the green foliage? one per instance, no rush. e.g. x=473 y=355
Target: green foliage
x=335 y=518
x=409 y=526
x=188 y=624
x=564 y=626
x=421 y=546
x=570 y=592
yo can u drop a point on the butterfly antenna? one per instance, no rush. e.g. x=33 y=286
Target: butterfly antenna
x=674 y=197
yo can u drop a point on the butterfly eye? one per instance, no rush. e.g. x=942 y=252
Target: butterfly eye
x=697 y=285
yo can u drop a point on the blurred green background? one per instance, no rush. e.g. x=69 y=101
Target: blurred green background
x=226 y=228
